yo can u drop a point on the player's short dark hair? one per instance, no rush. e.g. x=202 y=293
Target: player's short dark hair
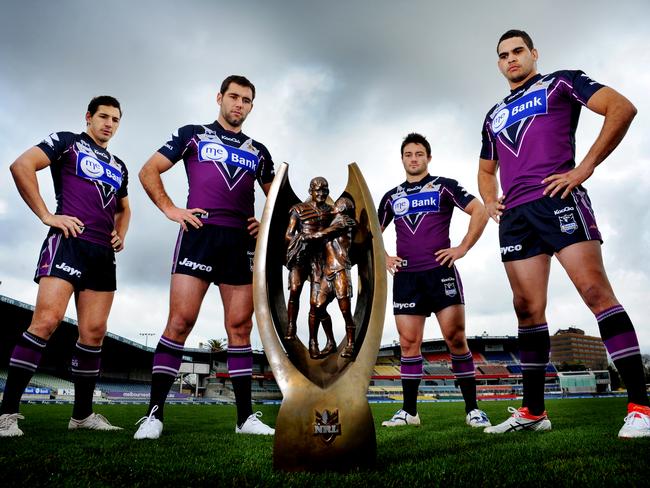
x=516 y=33
x=415 y=138
x=239 y=80
x=103 y=100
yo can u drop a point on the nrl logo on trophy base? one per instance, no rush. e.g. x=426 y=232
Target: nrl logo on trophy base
x=327 y=425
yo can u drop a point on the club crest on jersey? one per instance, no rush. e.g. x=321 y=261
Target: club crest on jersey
x=210 y=151
x=533 y=103
x=568 y=223
x=428 y=201
x=91 y=168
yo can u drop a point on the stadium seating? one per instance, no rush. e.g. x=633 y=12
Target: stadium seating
x=493 y=369
x=48 y=381
x=437 y=370
x=499 y=357
x=437 y=357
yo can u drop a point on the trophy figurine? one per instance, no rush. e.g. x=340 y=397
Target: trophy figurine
x=324 y=422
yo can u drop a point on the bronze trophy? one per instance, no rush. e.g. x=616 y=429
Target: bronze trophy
x=324 y=422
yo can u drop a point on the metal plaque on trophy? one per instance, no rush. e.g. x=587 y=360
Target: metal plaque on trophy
x=324 y=422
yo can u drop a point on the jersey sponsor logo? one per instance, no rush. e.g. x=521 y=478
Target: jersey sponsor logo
x=416 y=203
x=508 y=249
x=191 y=264
x=568 y=223
x=533 y=103
x=93 y=169
x=402 y=306
x=210 y=151
x=68 y=269
x=564 y=210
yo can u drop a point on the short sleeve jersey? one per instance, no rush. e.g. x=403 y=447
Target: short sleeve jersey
x=221 y=167
x=531 y=132
x=88 y=181
x=422 y=212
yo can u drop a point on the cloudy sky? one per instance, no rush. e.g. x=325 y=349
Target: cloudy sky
x=337 y=82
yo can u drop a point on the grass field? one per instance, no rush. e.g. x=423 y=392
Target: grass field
x=199 y=448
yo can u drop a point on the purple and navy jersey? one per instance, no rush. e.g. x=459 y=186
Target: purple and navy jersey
x=422 y=213
x=88 y=181
x=531 y=132
x=221 y=167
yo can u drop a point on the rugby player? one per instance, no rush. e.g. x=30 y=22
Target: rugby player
x=216 y=244
x=544 y=210
x=425 y=279
x=78 y=255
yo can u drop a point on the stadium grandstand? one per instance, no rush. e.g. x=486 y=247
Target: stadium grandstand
x=126 y=369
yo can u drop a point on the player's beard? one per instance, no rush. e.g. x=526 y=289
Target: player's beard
x=234 y=122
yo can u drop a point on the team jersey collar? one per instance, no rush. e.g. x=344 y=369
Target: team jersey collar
x=86 y=137
x=425 y=179
x=527 y=85
x=223 y=129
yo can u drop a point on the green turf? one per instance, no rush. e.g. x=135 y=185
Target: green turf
x=199 y=448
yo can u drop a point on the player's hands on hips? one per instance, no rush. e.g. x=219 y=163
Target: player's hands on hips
x=185 y=216
x=117 y=243
x=566 y=181
x=496 y=208
x=67 y=224
x=393 y=263
x=253 y=226
x=449 y=256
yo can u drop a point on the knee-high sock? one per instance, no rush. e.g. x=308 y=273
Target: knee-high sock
x=85 y=371
x=411 y=372
x=620 y=339
x=240 y=369
x=534 y=348
x=166 y=363
x=23 y=363
x=463 y=367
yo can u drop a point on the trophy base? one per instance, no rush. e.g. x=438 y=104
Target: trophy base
x=324 y=430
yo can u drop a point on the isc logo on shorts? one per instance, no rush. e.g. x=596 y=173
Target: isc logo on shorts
x=506 y=249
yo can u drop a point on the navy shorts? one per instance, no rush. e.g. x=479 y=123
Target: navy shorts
x=426 y=292
x=88 y=266
x=547 y=225
x=216 y=254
